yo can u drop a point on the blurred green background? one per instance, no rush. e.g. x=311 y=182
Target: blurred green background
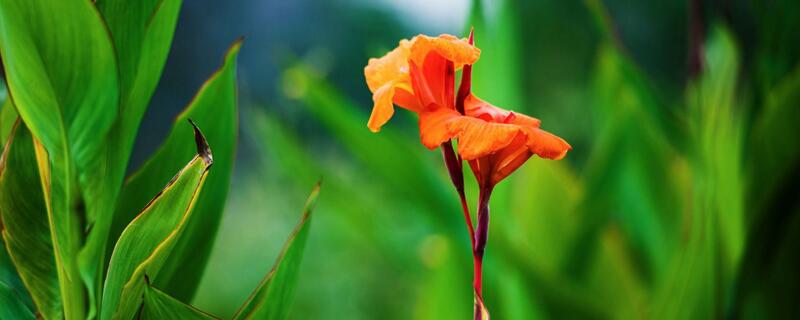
x=680 y=198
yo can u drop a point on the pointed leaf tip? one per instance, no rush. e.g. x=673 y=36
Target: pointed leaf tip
x=203 y=150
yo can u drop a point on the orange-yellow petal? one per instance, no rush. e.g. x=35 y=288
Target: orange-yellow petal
x=391 y=67
x=382 y=110
x=546 y=145
x=457 y=50
x=476 y=137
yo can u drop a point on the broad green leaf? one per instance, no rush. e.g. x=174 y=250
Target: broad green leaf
x=272 y=298
x=142 y=33
x=148 y=240
x=62 y=74
x=159 y=305
x=214 y=108
x=11 y=305
x=26 y=232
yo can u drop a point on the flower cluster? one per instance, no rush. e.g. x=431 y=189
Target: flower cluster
x=419 y=75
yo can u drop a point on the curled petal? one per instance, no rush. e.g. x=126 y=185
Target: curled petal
x=475 y=107
x=457 y=50
x=546 y=145
x=382 y=110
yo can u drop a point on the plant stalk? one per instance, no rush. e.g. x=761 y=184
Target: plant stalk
x=454 y=167
x=479 y=247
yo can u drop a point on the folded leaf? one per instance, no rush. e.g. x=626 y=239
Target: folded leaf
x=272 y=298
x=147 y=241
x=142 y=33
x=214 y=108
x=159 y=305
x=62 y=75
x=26 y=232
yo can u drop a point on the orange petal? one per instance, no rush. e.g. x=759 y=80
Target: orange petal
x=434 y=81
x=476 y=137
x=546 y=145
x=510 y=159
x=391 y=67
x=475 y=107
x=459 y=51
x=383 y=109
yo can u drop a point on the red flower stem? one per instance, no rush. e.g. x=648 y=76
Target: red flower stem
x=479 y=247
x=454 y=168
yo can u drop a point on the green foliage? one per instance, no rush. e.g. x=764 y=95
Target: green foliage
x=147 y=241
x=25 y=229
x=79 y=76
x=271 y=299
x=215 y=109
x=159 y=305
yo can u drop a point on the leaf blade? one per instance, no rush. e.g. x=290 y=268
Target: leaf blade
x=159 y=305
x=215 y=109
x=26 y=232
x=272 y=297
x=147 y=241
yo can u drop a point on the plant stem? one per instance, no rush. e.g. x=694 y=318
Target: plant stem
x=454 y=168
x=479 y=247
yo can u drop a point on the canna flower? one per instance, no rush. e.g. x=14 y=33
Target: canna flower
x=419 y=75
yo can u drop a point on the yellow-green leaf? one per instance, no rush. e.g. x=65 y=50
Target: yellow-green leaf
x=272 y=298
x=142 y=33
x=159 y=305
x=62 y=74
x=26 y=233
x=148 y=240
x=214 y=108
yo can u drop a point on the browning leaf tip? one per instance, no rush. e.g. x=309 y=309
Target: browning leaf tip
x=203 y=150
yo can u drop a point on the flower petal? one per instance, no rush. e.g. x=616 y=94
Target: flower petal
x=476 y=137
x=546 y=145
x=434 y=81
x=475 y=107
x=391 y=67
x=382 y=110
x=459 y=51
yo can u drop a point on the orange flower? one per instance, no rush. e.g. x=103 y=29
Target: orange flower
x=389 y=77
x=419 y=75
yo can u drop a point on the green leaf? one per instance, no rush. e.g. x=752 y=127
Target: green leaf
x=26 y=232
x=148 y=240
x=11 y=305
x=8 y=116
x=159 y=305
x=272 y=298
x=142 y=33
x=215 y=109
x=62 y=75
